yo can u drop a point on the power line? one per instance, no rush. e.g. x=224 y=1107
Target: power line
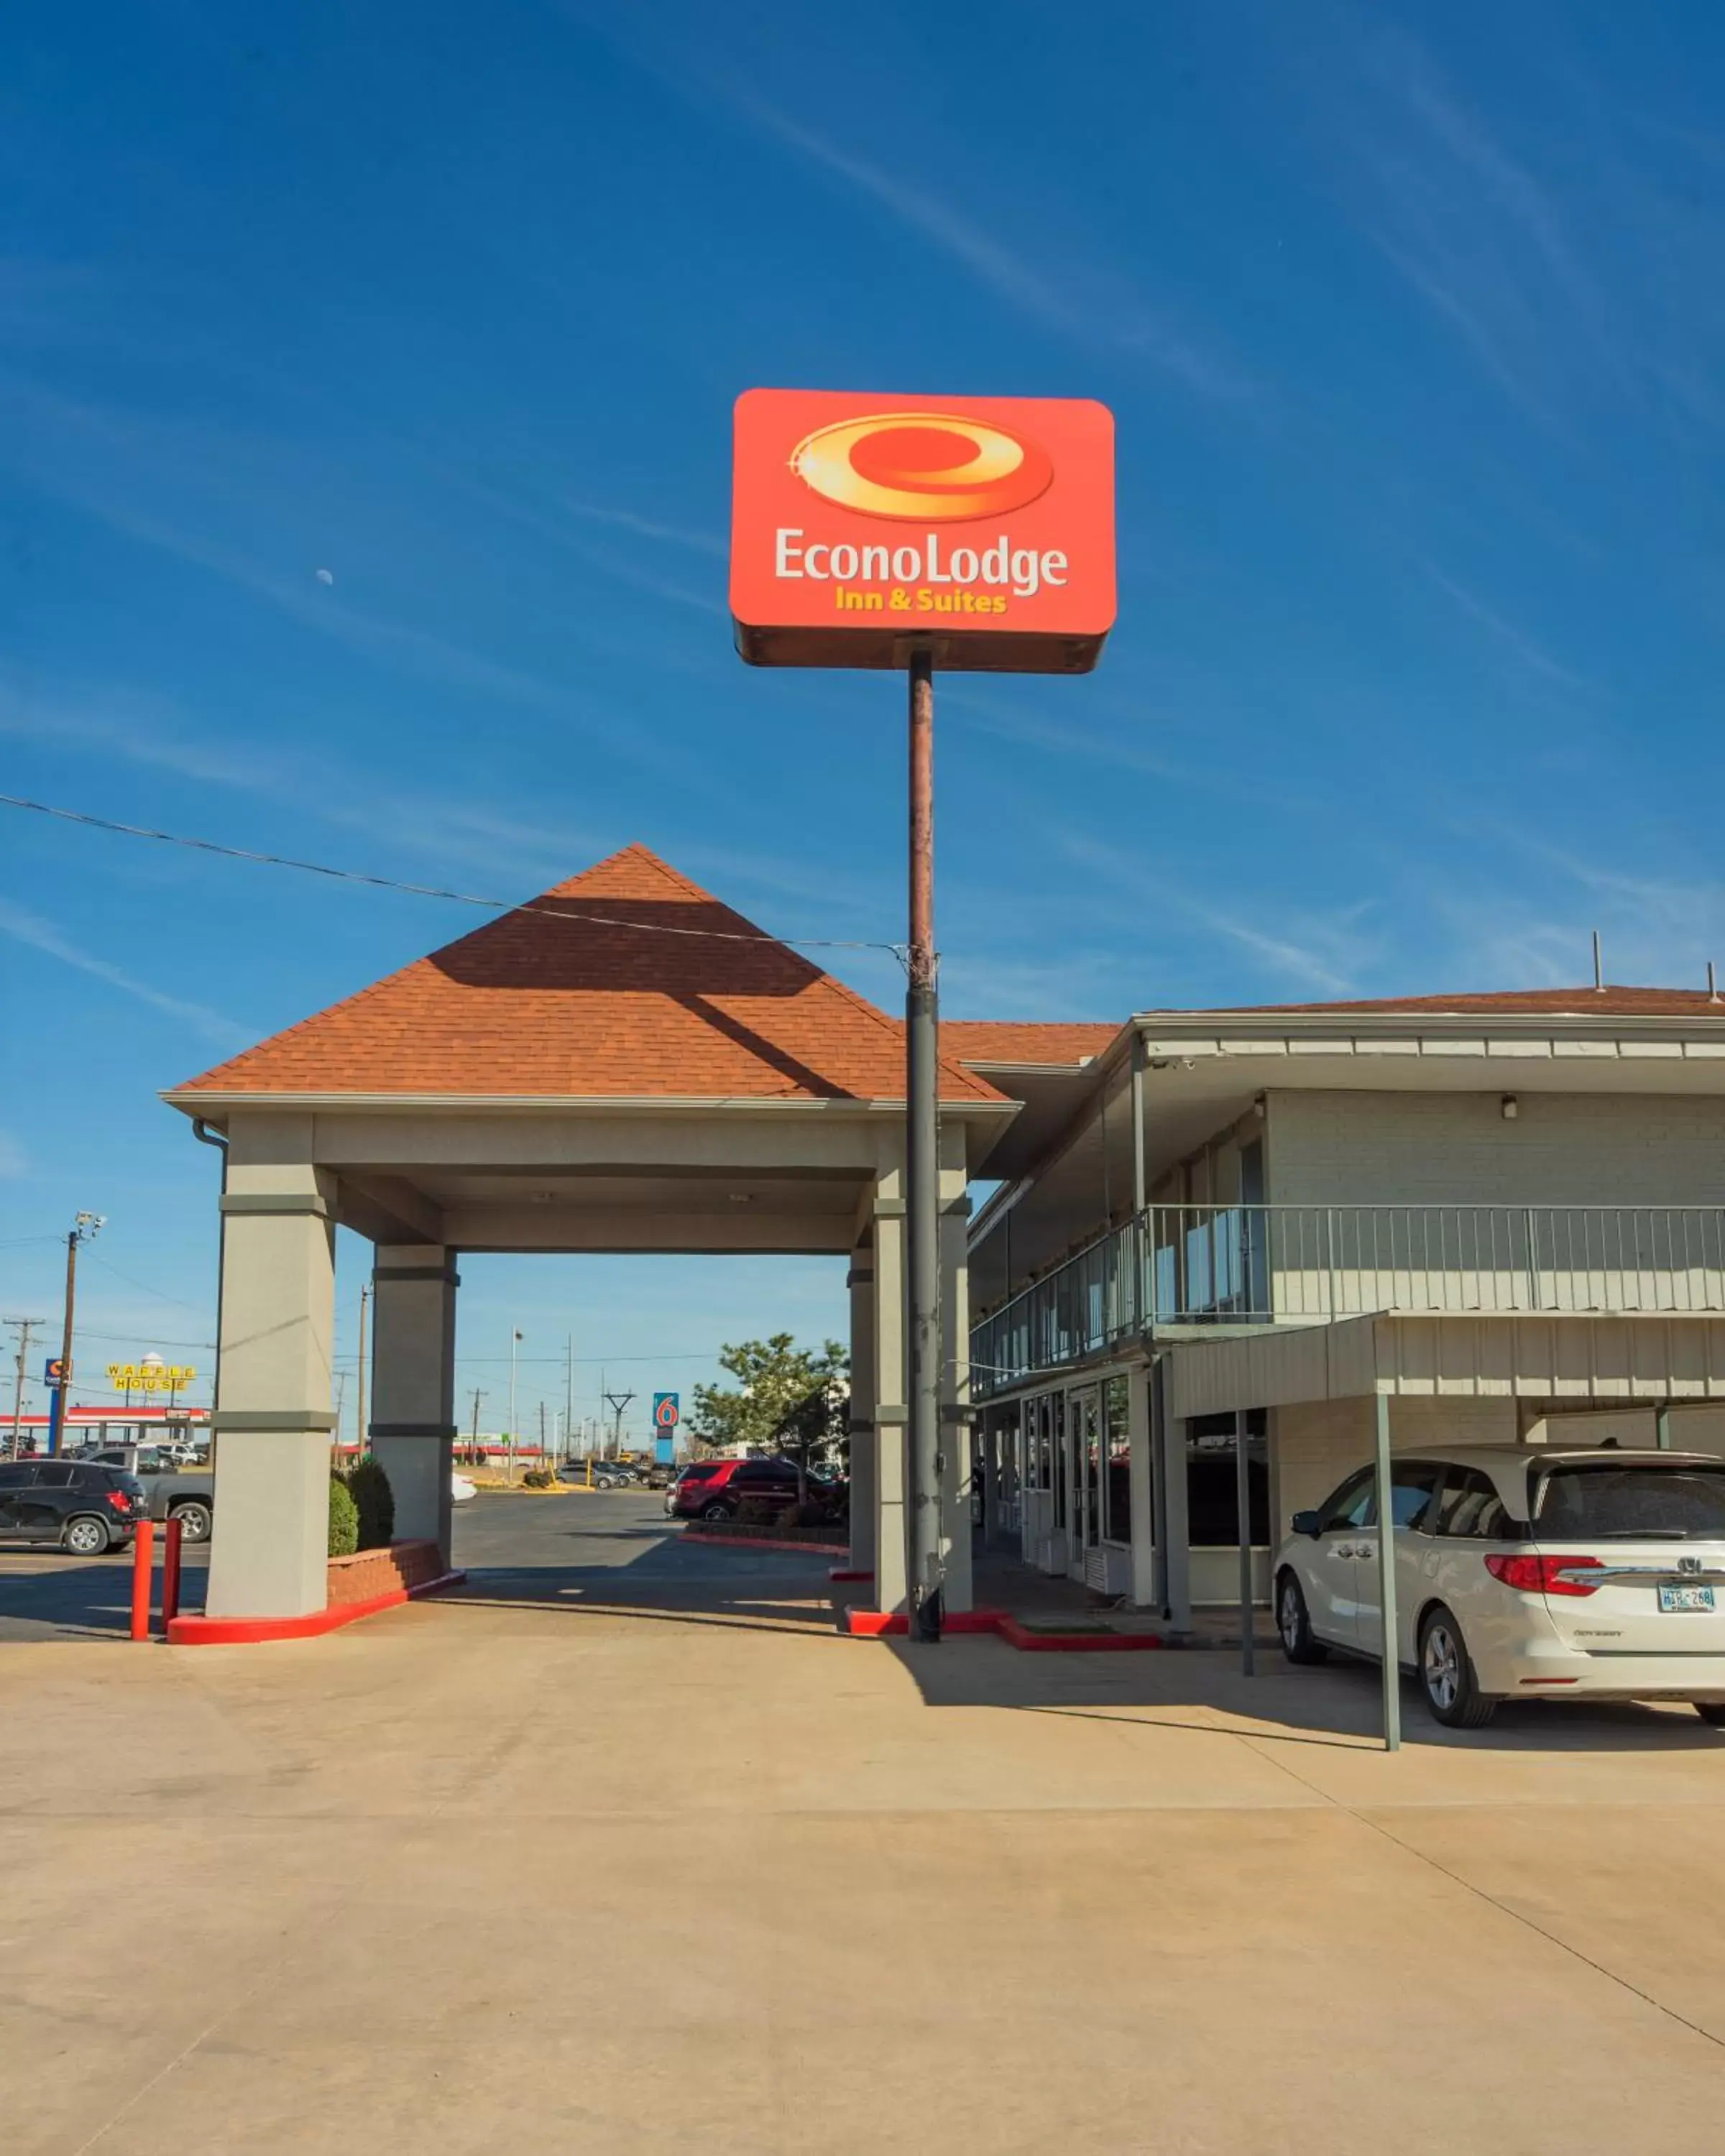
x=434 y=891
x=145 y=1285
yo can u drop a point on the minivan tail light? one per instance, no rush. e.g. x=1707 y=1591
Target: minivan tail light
x=1543 y=1575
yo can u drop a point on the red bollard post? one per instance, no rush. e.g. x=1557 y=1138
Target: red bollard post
x=172 y=1535
x=143 y=1566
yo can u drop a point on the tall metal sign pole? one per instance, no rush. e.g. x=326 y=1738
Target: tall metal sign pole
x=866 y=530
x=922 y=1171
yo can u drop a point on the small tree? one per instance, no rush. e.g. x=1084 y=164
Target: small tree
x=344 y=1519
x=369 y=1486
x=788 y=1396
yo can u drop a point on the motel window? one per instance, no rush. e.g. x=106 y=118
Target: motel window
x=1117 y=1479
x=1212 y=1504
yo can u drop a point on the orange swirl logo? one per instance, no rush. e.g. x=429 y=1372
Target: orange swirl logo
x=922 y=467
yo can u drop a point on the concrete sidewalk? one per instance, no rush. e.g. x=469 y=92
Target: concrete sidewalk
x=530 y=1870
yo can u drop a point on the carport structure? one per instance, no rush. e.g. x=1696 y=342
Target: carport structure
x=624 y=1064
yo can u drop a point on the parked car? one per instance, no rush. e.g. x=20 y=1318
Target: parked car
x=714 y=1489
x=1523 y=1573
x=606 y=1473
x=174 y=1492
x=84 y=1507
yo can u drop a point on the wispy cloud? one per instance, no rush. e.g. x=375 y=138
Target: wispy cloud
x=646 y=527
x=1323 y=950
x=448 y=830
x=1466 y=224
x=40 y=935
x=1126 y=322
x=1515 y=643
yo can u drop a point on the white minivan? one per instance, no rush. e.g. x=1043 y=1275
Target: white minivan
x=1523 y=1572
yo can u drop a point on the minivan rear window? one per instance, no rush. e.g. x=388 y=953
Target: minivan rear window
x=1583 y=1500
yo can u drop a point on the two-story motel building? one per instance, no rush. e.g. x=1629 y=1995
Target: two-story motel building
x=1213 y=1232
x=1229 y=1231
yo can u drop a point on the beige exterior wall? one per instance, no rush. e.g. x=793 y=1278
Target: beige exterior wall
x=1342 y=1148
x=1315 y=1443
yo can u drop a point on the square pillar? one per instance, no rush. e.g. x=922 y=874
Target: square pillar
x=1138 y=1453
x=891 y=1388
x=269 y=1542
x=861 y=1281
x=955 y=1410
x=1169 y=1437
x=412 y=1421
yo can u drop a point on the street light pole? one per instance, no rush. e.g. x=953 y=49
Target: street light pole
x=922 y=1171
x=514 y=1342
x=359 y=1434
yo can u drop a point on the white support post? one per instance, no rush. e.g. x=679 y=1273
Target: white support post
x=269 y=1545
x=891 y=1386
x=1176 y=1533
x=955 y=1374
x=1138 y=1459
x=1392 y=1672
x=413 y=1420
x=864 y=1437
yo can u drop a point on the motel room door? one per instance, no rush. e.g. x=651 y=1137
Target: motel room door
x=1083 y=1469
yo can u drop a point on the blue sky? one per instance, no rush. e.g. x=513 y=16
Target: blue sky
x=1412 y=320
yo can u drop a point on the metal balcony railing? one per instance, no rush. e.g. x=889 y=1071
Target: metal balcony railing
x=1269 y=1264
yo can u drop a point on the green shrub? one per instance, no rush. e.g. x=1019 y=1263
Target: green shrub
x=539 y=1478
x=756 y=1512
x=344 y=1519
x=376 y=1500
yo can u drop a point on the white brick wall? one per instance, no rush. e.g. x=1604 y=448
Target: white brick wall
x=1312 y=1446
x=1342 y=1148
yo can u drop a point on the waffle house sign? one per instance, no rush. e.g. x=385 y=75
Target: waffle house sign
x=982 y=526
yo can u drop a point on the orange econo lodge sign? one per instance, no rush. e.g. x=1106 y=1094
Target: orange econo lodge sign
x=863 y=526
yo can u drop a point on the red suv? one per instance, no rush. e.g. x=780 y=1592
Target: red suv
x=713 y=1489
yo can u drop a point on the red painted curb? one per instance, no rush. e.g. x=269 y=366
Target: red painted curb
x=872 y=1624
x=876 y=1624
x=246 y=1631
x=766 y=1542
x=843 y=1572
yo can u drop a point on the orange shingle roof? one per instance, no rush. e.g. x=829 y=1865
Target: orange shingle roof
x=1506 y=1003
x=591 y=1001
x=975 y=1040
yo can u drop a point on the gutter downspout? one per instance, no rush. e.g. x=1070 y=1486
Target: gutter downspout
x=204 y=1132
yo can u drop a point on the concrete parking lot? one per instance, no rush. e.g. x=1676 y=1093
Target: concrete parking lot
x=624 y=1848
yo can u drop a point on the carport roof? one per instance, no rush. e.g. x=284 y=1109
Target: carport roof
x=580 y=995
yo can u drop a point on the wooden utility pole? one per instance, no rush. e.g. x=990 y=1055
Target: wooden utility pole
x=23 y=1327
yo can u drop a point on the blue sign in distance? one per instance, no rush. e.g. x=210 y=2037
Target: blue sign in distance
x=52 y=1370
x=667 y=1414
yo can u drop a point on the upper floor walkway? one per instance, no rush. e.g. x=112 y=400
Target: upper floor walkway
x=1171 y=1268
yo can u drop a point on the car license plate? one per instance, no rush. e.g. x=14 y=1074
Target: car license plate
x=1686 y=1598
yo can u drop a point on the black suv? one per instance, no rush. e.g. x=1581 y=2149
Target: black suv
x=85 y=1509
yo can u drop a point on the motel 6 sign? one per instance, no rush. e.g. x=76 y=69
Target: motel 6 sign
x=667 y=1412
x=980 y=526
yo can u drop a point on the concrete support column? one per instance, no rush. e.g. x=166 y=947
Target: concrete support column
x=955 y=1371
x=1170 y=1436
x=269 y=1547
x=1138 y=1454
x=891 y=1389
x=412 y=1393
x=863 y=1443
